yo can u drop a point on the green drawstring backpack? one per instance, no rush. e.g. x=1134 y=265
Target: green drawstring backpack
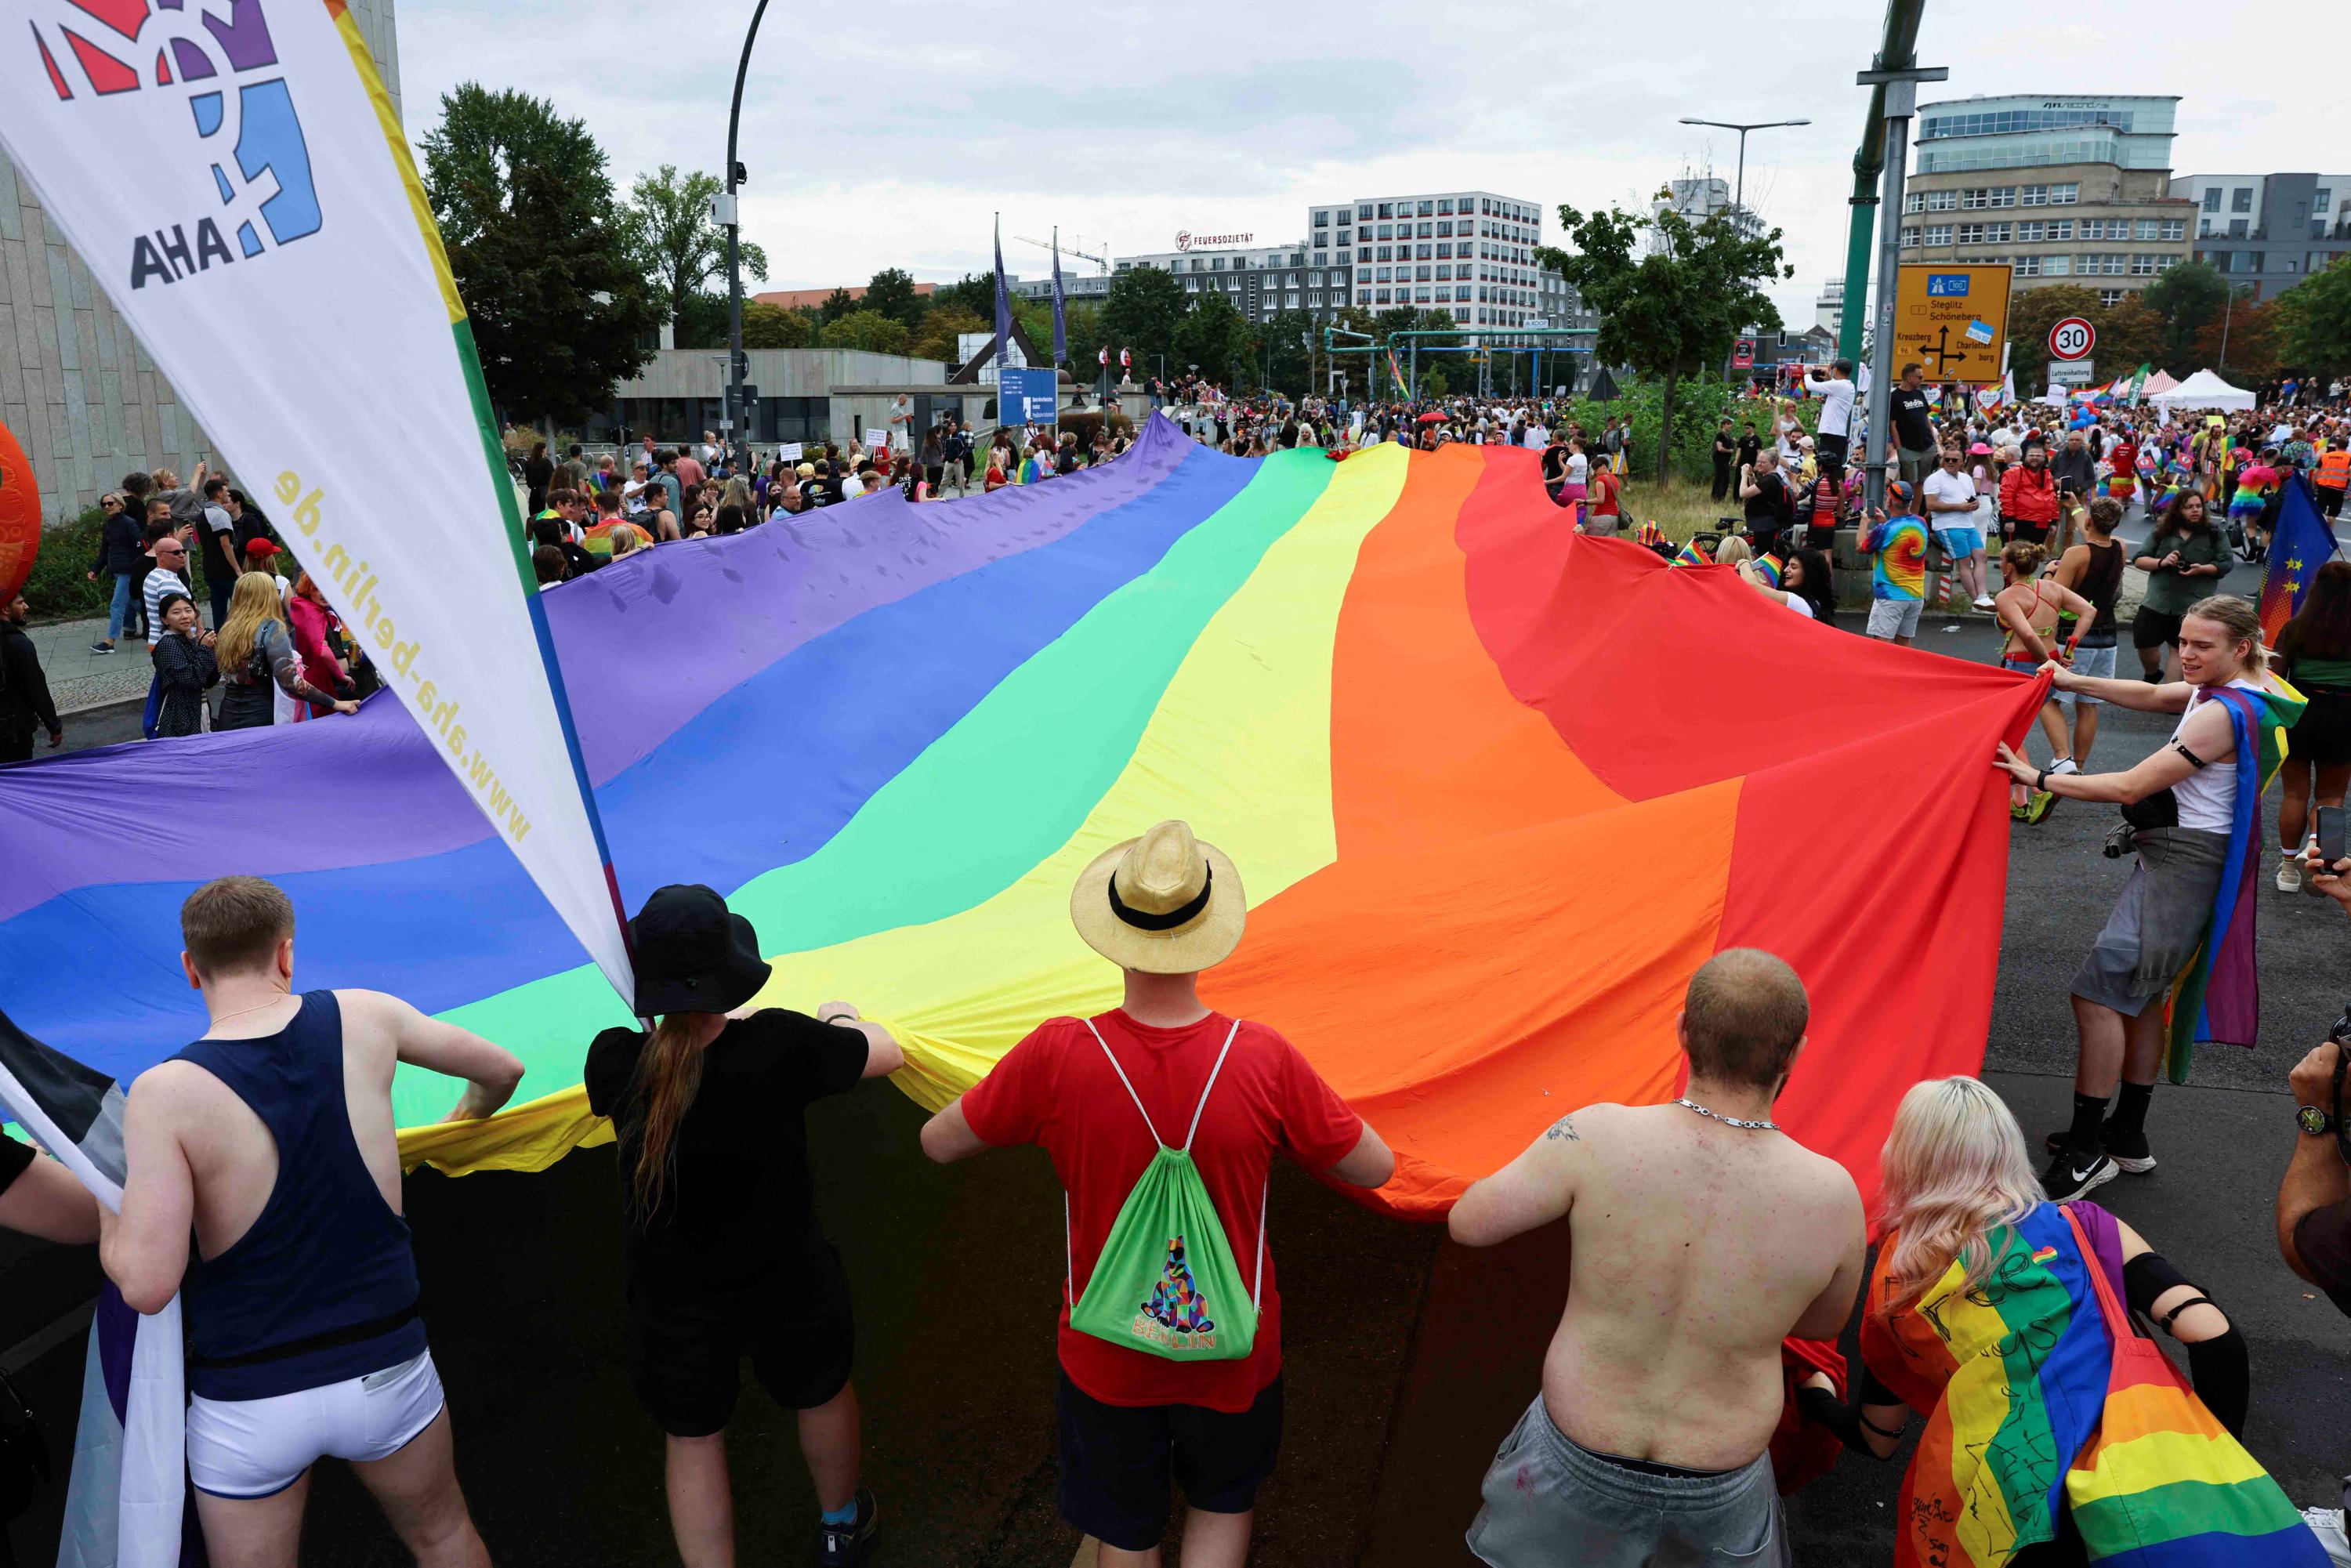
x=1166 y=1283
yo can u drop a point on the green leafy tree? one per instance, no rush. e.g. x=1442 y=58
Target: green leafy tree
x=1672 y=312
x=941 y=326
x=975 y=292
x=867 y=330
x=668 y=224
x=2130 y=334
x=559 y=306
x=1292 y=352
x=1215 y=336
x=892 y=293
x=2189 y=298
x=2313 y=320
x=773 y=327
x=702 y=323
x=836 y=305
x=2242 y=344
x=1145 y=308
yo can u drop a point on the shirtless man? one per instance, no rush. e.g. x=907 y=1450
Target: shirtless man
x=1701 y=1237
x=303 y=1335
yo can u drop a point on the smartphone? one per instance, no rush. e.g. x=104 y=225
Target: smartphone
x=2332 y=849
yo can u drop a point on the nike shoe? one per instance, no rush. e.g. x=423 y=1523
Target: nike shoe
x=2043 y=803
x=2070 y=1176
x=2063 y=765
x=2132 y=1155
x=848 y=1545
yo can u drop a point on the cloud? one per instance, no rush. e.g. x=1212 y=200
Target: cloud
x=892 y=144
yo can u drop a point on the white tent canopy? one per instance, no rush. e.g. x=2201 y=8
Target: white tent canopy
x=2202 y=389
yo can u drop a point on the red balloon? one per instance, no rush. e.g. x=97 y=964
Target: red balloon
x=20 y=517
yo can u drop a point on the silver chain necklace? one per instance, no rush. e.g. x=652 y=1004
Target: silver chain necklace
x=1689 y=1104
x=256 y=1006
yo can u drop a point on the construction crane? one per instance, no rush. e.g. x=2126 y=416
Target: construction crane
x=1102 y=262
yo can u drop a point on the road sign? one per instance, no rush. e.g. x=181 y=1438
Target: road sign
x=1742 y=354
x=1027 y=396
x=2072 y=338
x=1952 y=319
x=2070 y=373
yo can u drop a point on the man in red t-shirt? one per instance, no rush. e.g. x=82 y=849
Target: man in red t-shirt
x=1101 y=1095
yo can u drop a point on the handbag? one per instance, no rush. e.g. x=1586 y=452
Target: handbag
x=2160 y=809
x=2156 y=1445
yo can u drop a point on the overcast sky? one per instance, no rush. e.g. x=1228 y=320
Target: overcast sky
x=892 y=145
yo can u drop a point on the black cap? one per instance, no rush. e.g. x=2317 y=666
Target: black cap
x=693 y=954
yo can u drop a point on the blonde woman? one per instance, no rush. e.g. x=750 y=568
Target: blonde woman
x=626 y=541
x=255 y=651
x=1981 y=1298
x=724 y=1252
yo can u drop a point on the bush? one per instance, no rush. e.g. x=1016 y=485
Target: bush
x=59 y=589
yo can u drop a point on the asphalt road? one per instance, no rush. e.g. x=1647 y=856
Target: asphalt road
x=1407 y=1357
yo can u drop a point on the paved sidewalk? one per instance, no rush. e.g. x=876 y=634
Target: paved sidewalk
x=81 y=680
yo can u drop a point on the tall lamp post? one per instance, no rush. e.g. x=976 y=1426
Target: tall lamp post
x=738 y=432
x=1738 y=193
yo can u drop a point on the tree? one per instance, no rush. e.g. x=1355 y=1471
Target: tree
x=2241 y=342
x=941 y=326
x=560 y=307
x=2313 y=323
x=2030 y=313
x=2187 y=297
x=702 y=324
x=1143 y=312
x=892 y=293
x=975 y=292
x=836 y=305
x=1215 y=336
x=867 y=330
x=1289 y=356
x=1672 y=313
x=668 y=224
x=2130 y=334
x=773 y=327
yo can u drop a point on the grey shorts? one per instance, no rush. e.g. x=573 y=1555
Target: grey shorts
x=2142 y=949
x=1895 y=617
x=1551 y=1502
x=2097 y=662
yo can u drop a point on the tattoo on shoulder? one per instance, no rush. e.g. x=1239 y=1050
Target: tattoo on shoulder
x=1564 y=1128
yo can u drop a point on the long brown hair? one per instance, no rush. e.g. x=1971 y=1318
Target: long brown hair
x=668 y=1076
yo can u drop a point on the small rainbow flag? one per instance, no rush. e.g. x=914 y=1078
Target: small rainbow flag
x=1691 y=555
x=1769 y=567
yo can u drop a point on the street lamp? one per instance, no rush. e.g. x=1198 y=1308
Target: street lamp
x=1739 y=199
x=738 y=434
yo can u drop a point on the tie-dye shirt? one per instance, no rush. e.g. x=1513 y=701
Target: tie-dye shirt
x=1898 y=551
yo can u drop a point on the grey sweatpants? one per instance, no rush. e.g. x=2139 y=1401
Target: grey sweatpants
x=1550 y=1504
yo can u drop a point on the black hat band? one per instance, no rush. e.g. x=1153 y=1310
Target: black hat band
x=1143 y=921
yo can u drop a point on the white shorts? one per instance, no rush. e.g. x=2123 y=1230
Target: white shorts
x=259 y=1448
x=1895 y=617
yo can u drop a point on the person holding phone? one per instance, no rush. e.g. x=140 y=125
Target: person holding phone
x=2313 y=652
x=2184 y=559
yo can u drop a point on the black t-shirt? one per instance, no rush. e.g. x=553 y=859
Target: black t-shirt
x=1723 y=446
x=738 y=1209
x=1914 y=423
x=15 y=1159
x=2322 y=1238
x=1749 y=446
x=1770 y=506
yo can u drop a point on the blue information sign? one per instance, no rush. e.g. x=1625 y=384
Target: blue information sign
x=1027 y=396
x=1943 y=285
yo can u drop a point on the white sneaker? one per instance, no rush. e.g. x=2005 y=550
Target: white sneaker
x=2289 y=876
x=2063 y=766
x=1984 y=602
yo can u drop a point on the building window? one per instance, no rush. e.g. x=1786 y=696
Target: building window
x=2056 y=267
x=2174 y=228
x=1421 y=296
x=2166 y=263
x=2212 y=199
x=1345 y=256
x=1973 y=198
x=1383 y=275
x=1420 y=252
x=2241 y=199
x=1911 y=238
x=1913 y=201
x=2142 y=266
x=1421 y=273
x=2029 y=229
x=2066 y=195
x=1424 y=231
x=1363 y=297
x=2321 y=199
x=1971 y=233
x=1444 y=203
x=2003 y=195
x=1426 y=208
x=1942 y=200
x=1363 y=211
x=2033 y=195
x=2060 y=228
x=2110 y=297
x=2253 y=261
x=1443 y=231
x=1938 y=234
x=1384 y=253
x=2237 y=229
x=2028 y=266
x=1322 y=220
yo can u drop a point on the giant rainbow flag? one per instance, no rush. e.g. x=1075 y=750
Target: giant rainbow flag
x=1495 y=790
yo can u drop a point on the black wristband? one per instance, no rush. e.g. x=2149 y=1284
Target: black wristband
x=2041 y=783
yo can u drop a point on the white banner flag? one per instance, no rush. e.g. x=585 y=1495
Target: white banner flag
x=234 y=177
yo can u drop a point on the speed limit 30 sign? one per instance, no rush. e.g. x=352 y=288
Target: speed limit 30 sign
x=2072 y=338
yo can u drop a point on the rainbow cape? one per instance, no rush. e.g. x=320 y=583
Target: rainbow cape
x=1448 y=741
x=2218 y=996
x=2015 y=1378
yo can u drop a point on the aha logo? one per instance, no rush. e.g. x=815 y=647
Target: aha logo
x=246 y=136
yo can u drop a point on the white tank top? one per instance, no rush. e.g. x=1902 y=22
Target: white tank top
x=2208 y=797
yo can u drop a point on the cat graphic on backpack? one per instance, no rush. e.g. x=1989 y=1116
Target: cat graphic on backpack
x=1177 y=1305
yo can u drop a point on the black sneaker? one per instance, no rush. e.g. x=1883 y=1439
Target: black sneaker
x=2070 y=1176
x=848 y=1545
x=2131 y=1154
x=102 y=647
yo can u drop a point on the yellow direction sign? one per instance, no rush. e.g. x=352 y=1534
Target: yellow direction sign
x=1952 y=319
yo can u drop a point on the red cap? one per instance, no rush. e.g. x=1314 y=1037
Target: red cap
x=261 y=549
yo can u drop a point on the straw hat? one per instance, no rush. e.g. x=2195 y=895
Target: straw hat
x=1164 y=904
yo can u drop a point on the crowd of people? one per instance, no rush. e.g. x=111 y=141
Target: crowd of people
x=1704 y=1239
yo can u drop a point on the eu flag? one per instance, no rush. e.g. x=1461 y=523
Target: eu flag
x=2301 y=544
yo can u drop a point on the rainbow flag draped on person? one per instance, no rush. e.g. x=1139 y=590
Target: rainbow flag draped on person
x=2218 y=996
x=2017 y=1380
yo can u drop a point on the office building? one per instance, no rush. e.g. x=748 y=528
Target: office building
x=76 y=387
x=1468 y=252
x=1828 y=311
x=1089 y=286
x=1259 y=280
x=1699 y=198
x=2268 y=232
x=2075 y=190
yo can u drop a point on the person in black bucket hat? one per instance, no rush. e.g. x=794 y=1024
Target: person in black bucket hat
x=726 y=1256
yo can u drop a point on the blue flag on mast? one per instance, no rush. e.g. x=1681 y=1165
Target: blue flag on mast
x=2300 y=546
x=1003 y=300
x=1061 y=325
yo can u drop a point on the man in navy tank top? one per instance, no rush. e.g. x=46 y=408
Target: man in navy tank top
x=271 y=1140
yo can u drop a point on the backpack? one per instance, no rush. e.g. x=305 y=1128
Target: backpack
x=1166 y=1282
